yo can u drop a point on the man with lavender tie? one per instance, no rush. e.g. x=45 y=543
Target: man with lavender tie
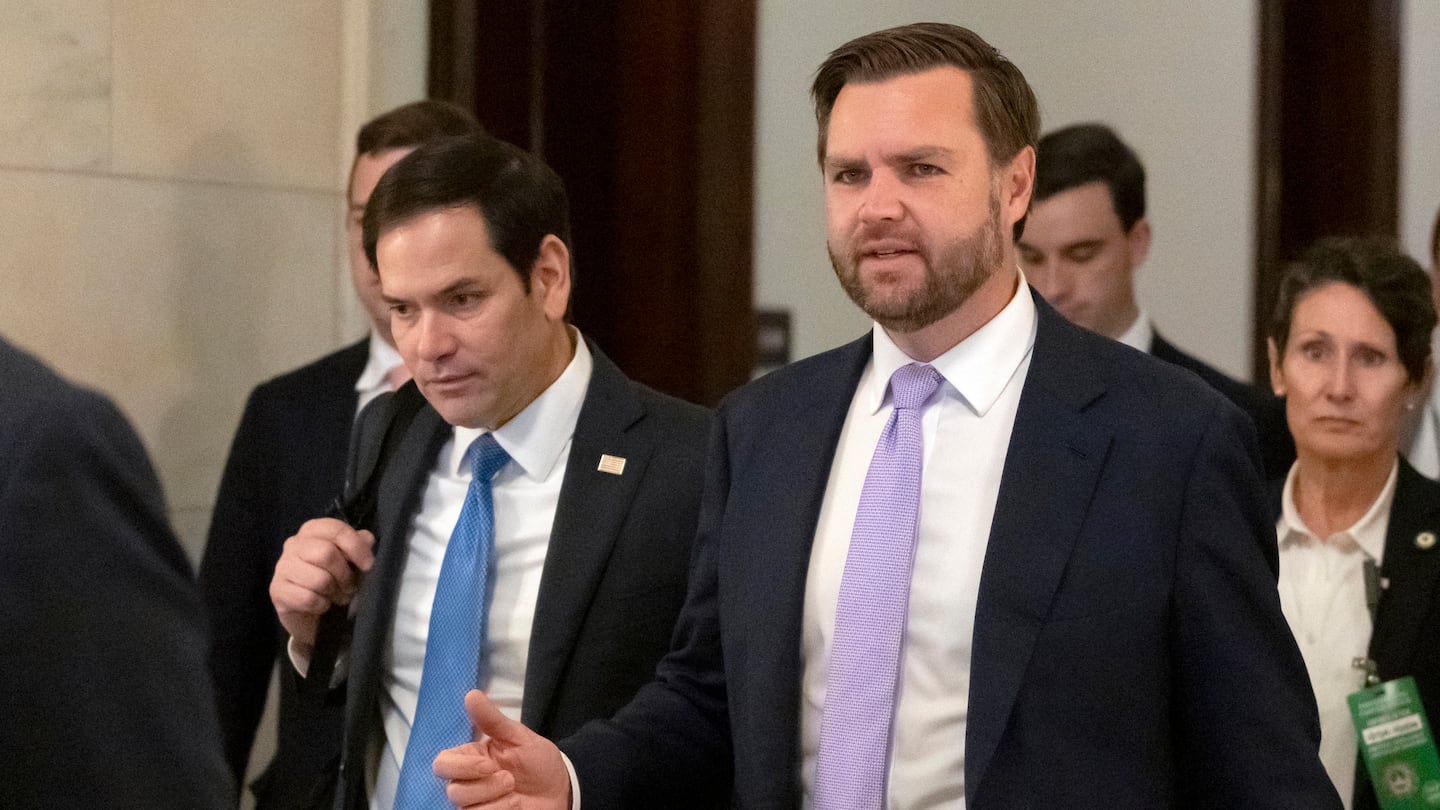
x=978 y=558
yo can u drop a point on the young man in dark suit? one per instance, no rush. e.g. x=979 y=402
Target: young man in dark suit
x=103 y=688
x=568 y=579
x=1087 y=235
x=286 y=465
x=980 y=557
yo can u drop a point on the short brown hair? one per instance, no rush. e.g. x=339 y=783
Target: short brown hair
x=1004 y=105
x=410 y=125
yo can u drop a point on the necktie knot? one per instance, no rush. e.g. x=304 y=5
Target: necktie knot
x=486 y=458
x=912 y=384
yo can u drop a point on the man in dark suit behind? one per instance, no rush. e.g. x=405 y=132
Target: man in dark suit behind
x=103 y=692
x=980 y=557
x=595 y=499
x=1087 y=234
x=286 y=465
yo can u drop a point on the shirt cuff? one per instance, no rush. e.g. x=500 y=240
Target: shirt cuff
x=574 y=783
x=301 y=663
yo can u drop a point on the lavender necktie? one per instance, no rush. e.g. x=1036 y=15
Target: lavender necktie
x=860 y=687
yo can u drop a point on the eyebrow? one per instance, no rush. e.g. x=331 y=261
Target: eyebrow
x=458 y=285
x=919 y=154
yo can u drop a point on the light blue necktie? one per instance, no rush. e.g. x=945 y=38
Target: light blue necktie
x=456 y=655
x=860 y=686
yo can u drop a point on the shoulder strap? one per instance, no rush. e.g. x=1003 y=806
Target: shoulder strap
x=358 y=509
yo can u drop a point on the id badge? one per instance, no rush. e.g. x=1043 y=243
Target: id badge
x=1396 y=743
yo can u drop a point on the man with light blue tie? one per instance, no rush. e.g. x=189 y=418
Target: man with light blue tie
x=534 y=517
x=977 y=558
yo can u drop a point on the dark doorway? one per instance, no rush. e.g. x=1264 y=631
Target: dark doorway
x=647 y=111
x=1328 y=141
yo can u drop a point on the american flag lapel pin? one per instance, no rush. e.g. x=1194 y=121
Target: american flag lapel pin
x=614 y=465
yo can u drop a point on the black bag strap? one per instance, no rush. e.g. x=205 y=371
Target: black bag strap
x=332 y=633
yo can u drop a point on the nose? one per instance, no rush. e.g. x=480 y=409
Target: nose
x=1052 y=284
x=434 y=339
x=881 y=200
x=1341 y=382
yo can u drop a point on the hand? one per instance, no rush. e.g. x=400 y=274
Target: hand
x=509 y=766
x=319 y=567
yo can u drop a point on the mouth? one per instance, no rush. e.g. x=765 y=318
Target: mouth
x=445 y=382
x=886 y=251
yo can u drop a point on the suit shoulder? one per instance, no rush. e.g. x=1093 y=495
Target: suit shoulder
x=1143 y=392
x=335 y=371
x=36 y=399
x=807 y=378
x=674 y=415
x=1241 y=393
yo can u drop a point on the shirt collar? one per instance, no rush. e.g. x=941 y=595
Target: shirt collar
x=977 y=368
x=383 y=357
x=537 y=435
x=1368 y=533
x=1141 y=333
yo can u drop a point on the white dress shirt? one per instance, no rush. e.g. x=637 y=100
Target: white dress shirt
x=1322 y=592
x=1140 y=335
x=966 y=425
x=372 y=381
x=526 y=491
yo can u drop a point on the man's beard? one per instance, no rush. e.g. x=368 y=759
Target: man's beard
x=952 y=275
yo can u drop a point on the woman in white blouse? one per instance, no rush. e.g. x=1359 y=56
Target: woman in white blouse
x=1359 y=573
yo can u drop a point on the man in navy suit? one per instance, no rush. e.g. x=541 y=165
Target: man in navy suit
x=1087 y=235
x=103 y=687
x=286 y=465
x=1087 y=616
x=595 y=499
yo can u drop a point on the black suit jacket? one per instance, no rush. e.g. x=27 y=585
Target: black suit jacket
x=103 y=690
x=286 y=465
x=1128 y=651
x=1407 y=621
x=1266 y=411
x=614 y=575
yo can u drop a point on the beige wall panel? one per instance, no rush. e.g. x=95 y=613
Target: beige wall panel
x=242 y=91
x=174 y=298
x=55 y=83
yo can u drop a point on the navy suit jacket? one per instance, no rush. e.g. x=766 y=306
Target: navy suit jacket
x=614 y=576
x=1128 y=651
x=1277 y=449
x=1407 y=619
x=104 y=698
x=286 y=465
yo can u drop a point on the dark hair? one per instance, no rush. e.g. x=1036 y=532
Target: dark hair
x=1435 y=241
x=521 y=199
x=1392 y=281
x=1005 y=109
x=410 y=125
x=413 y=124
x=1077 y=155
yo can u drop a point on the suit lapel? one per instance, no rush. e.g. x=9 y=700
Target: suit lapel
x=1414 y=573
x=588 y=520
x=783 y=458
x=1051 y=468
x=402 y=484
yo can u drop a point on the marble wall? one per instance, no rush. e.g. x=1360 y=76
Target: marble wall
x=171 y=183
